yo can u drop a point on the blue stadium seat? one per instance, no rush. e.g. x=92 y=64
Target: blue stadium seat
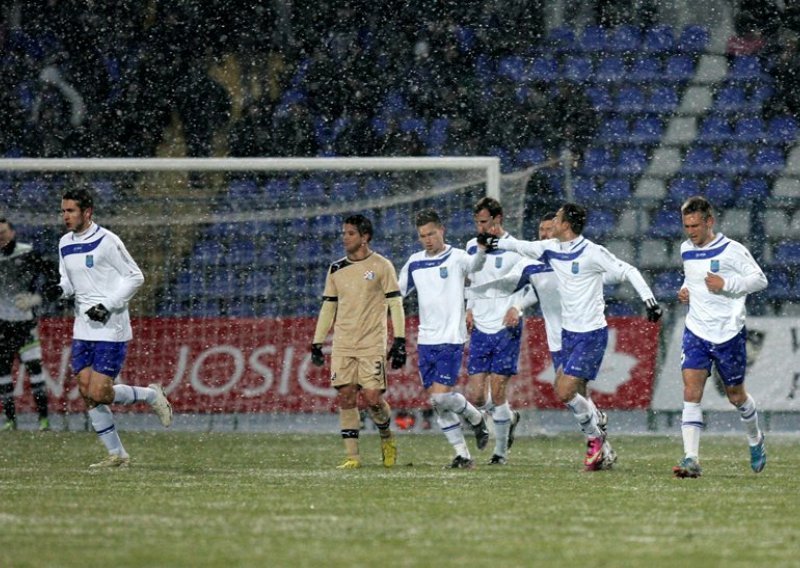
x=752 y=190
x=663 y=100
x=745 y=68
x=658 y=39
x=699 y=160
x=38 y=195
x=610 y=70
x=438 y=134
x=780 y=285
x=617 y=191
x=613 y=131
x=375 y=188
x=600 y=223
x=631 y=161
x=731 y=98
x=577 y=69
x=733 y=161
x=646 y=130
x=528 y=157
x=666 y=285
x=630 y=100
x=720 y=192
x=276 y=189
x=561 y=40
x=760 y=93
x=311 y=190
x=786 y=253
x=782 y=130
x=623 y=39
x=585 y=191
x=666 y=224
x=679 y=68
x=347 y=190
x=593 y=39
x=105 y=194
x=600 y=98
x=680 y=189
x=693 y=39
x=8 y=193
x=511 y=67
x=714 y=129
x=597 y=161
x=768 y=160
x=750 y=130
x=543 y=69
x=326 y=225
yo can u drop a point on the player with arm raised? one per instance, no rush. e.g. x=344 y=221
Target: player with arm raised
x=438 y=273
x=580 y=266
x=358 y=289
x=719 y=273
x=97 y=270
x=495 y=326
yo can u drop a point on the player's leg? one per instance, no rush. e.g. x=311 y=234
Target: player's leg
x=373 y=385
x=11 y=339
x=505 y=356
x=30 y=355
x=96 y=386
x=695 y=369
x=344 y=371
x=478 y=366
x=153 y=395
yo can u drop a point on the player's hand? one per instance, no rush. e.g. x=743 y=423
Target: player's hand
x=397 y=354
x=683 y=295
x=511 y=318
x=27 y=300
x=488 y=241
x=317 y=357
x=714 y=282
x=470 y=321
x=654 y=311
x=99 y=313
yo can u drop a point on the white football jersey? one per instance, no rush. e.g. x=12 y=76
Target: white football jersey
x=96 y=269
x=719 y=317
x=440 y=281
x=581 y=267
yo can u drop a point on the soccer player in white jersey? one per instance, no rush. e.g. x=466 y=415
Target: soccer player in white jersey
x=438 y=273
x=718 y=275
x=495 y=326
x=98 y=272
x=580 y=265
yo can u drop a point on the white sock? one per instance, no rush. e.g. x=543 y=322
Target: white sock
x=103 y=424
x=586 y=415
x=450 y=424
x=456 y=402
x=749 y=417
x=501 y=416
x=126 y=394
x=691 y=426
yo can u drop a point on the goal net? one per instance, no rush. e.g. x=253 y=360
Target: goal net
x=235 y=253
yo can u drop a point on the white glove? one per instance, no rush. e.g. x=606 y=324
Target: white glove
x=27 y=300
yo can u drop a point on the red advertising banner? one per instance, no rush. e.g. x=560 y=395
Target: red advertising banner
x=224 y=365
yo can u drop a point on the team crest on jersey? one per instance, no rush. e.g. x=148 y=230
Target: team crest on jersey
x=89 y=260
x=715 y=266
x=576 y=267
x=369 y=275
x=498 y=262
x=442 y=272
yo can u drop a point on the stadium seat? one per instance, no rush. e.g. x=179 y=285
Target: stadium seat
x=768 y=160
x=658 y=39
x=693 y=39
x=680 y=189
x=376 y=188
x=438 y=134
x=646 y=130
x=528 y=157
x=599 y=224
x=511 y=67
x=600 y=98
x=678 y=68
x=662 y=100
x=786 y=253
x=719 y=191
x=585 y=191
x=561 y=39
x=749 y=130
x=613 y=131
x=745 y=68
x=666 y=285
x=39 y=195
x=654 y=254
x=631 y=161
x=311 y=191
x=733 y=161
x=577 y=69
x=617 y=191
x=543 y=69
x=276 y=189
x=630 y=100
x=644 y=70
x=625 y=38
x=593 y=39
x=735 y=223
x=714 y=129
x=780 y=285
x=782 y=130
x=667 y=223
x=731 y=99
x=752 y=190
x=597 y=161
x=346 y=190
x=699 y=160
x=610 y=70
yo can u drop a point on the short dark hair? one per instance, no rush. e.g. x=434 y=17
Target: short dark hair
x=549 y=216
x=575 y=215
x=427 y=216
x=7 y=222
x=360 y=222
x=490 y=204
x=697 y=204
x=80 y=195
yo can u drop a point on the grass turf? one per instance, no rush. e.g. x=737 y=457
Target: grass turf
x=197 y=499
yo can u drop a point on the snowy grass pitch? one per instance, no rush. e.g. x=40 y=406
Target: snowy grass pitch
x=192 y=499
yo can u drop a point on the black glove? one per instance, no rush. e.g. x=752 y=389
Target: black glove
x=317 y=357
x=397 y=353
x=654 y=311
x=99 y=313
x=487 y=240
x=53 y=293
